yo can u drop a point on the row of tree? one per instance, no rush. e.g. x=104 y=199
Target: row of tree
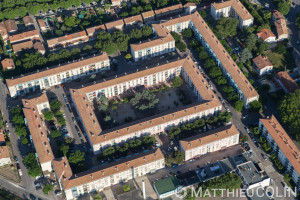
x=19 y=123
x=185 y=130
x=133 y=145
x=19 y=8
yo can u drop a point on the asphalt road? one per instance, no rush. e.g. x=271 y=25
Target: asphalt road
x=27 y=186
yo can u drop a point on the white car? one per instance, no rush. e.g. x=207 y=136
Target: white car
x=7 y=125
x=20 y=172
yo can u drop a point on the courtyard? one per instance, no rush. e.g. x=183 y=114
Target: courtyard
x=120 y=109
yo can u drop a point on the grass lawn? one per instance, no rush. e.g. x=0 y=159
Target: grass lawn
x=280 y=61
x=276 y=59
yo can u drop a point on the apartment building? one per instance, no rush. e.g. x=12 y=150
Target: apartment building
x=4 y=156
x=68 y=40
x=22 y=46
x=33 y=110
x=75 y=185
x=42 y=25
x=208 y=104
x=232 y=8
x=190 y=8
x=28 y=21
x=133 y=20
x=148 y=16
x=209 y=141
x=213 y=46
x=282 y=145
x=28 y=35
x=280 y=25
x=57 y=75
x=162 y=43
x=115 y=25
x=252 y=178
x=262 y=65
x=94 y=31
x=169 y=11
x=286 y=82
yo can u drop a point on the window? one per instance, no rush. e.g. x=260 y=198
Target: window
x=81 y=70
x=92 y=68
x=67 y=74
x=58 y=78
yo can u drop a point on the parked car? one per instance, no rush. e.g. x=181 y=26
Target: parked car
x=57 y=192
x=76 y=128
x=7 y=125
x=73 y=119
x=16 y=159
x=69 y=107
x=37 y=186
x=20 y=172
x=247 y=129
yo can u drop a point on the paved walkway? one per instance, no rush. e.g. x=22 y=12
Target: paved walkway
x=109 y=194
x=150 y=193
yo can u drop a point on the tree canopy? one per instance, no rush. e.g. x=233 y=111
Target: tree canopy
x=144 y=100
x=76 y=157
x=48 y=115
x=227 y=26
x=32 y=165
x=55 y=104
x=289 y=110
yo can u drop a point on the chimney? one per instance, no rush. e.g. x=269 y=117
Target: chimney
x=91 y=176
x=102 y=172
x=116 y=168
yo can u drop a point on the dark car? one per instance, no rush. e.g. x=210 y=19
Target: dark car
x=69 y=107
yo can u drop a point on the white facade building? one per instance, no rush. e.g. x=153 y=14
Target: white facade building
x=75 y=185
x=4 y=156
x=210 y=141
x=57 y=75
x=282 y=145
x=208 y=104
x=232 y=8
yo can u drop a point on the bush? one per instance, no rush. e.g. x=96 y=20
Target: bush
x=280 y=49
x=177 y=82
x=126 y=188
x=24 y=140
x=180 y=46
x=48 y=115
x=187 y=33
x=47 y=188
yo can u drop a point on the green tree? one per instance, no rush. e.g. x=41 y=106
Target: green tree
x=88 y=48
x=215 y=72
x=110 y=48
x=227 y=26
x=47 y=188
x=55 y=104
x=245 y=55
x=174 y=132
x=203 y=55
x=21 y=131
x=48 y=115
x=256 y=130
x=109 y=151
x=98 y=197
x=177 y=82
x=238 y=105
x=75 y=52
x=24 y=140
x=176 y=36
x=148 y=140
x=280 y=49
x=180 y=46
x=147 y=31
x=76 y=157
x=16 y=110
x=250 y=41
x=55 y=133
x=71 y=21
x=256 y=106
x=128 y=56
x=284 y=7
x=32 y=165
x=144 y=100
x=18 y=120
x=61 y=120
x=187 y=33
x=126 y=188
x=289 y=109
x=64 y=149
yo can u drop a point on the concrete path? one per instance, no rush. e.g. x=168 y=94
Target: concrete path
x=150 y=193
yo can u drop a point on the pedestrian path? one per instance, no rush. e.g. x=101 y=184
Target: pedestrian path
x=269 y=169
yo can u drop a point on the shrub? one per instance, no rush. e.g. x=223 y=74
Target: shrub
x=280 y=49
x=47 y=188
x=126 y=188
x=177 y=82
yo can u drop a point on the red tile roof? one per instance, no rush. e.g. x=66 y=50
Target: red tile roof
x=8 y=63
x=208 y=137
x=2 y=138
x=133 y=19
x=23 y=36
x=27 y=20
x=67 y=38
x=56 y=70
x=148 y=14
x=68 y=180
x=37 y=130
x=287 y=81
x=93 y=127
x=4 y=152
x=169 y=9
x=237 y=6
x=261 y=62
x=284 y=142
x=3 y=31
x=41 y=23
x=22 y=46
x=265 y=34
x=11 y=25
x=93 y=31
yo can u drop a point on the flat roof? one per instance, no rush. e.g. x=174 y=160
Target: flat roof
x=249 y=172
x=166 y=185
